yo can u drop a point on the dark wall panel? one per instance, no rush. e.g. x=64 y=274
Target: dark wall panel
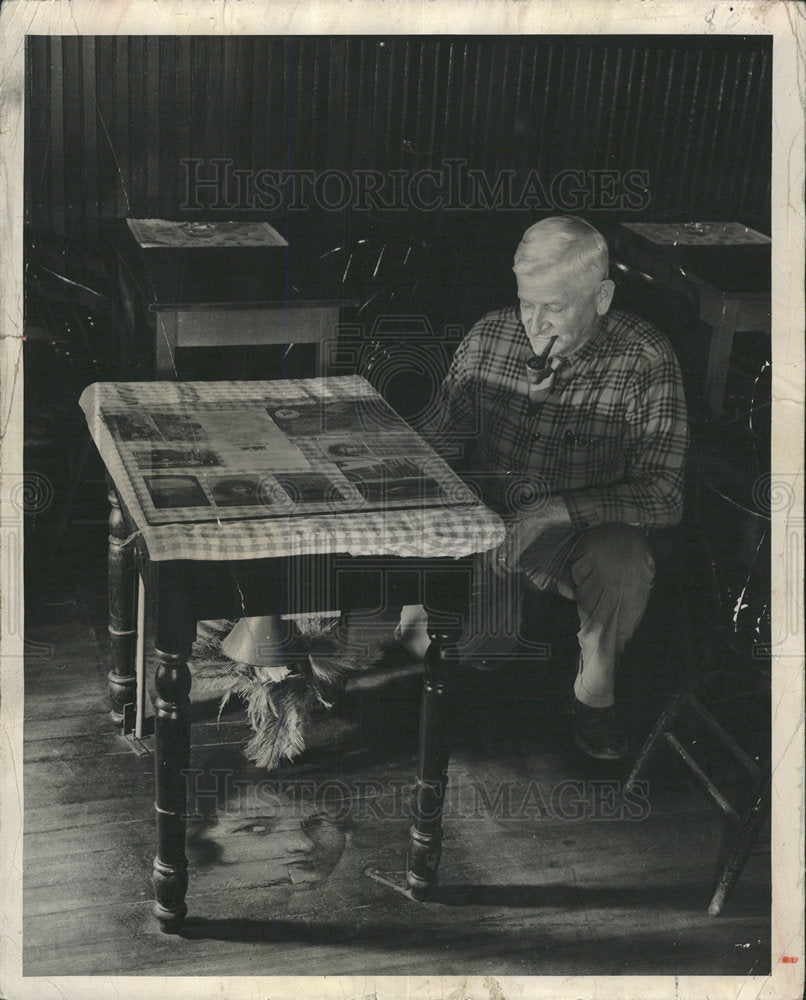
x=110 y=120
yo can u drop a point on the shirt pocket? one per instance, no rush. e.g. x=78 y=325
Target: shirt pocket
x=590 y=456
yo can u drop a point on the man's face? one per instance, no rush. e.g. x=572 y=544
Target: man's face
x=561 y=302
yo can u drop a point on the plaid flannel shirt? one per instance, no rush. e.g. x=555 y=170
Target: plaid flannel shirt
x=610 y=436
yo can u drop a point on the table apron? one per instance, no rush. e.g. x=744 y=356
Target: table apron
x=749 y=311
x=280 y=324
x=184 y=592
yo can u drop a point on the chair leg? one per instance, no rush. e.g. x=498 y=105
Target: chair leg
x=746 y=836
x=726 y=739
x=666 y=719
x=701 y=776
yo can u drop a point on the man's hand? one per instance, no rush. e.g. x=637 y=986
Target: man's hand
x=523 y=530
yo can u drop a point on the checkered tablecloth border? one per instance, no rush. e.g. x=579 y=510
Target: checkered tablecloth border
x=429 y=532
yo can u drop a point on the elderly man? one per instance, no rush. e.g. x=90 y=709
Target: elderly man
x=572 y=420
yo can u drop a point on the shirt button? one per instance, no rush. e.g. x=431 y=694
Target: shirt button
x=538 y=436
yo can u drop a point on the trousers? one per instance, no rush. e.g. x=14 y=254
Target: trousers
x=608 y=571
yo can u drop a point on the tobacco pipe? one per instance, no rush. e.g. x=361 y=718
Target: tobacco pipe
x=537 y=366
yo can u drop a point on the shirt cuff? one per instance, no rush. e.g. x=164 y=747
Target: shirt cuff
x=583 y=510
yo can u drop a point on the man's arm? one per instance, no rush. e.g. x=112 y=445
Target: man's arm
x=450 y=424
x=656 y=441
x=651 y=494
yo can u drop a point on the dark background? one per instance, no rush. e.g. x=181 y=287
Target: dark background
x=110 y=118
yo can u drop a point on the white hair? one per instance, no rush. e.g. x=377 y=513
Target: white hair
x=562 y=240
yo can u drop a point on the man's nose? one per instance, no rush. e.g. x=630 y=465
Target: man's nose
x=538 y=319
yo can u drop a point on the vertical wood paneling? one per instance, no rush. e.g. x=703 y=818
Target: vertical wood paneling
x=120 y=127
x=89 y=159
x=435 y=145
x=308 y=112
x=688 y=112
x=56 y=145
x=168 y=124
x=138 y=126
x=37 y=134
x=238 y=76
x=708 y=118
x=106 y=116
x=73 y=125
x=638 y=133
x=151 y=74
x=665 y=131
x=337 y=139
x=756 y=137
x=110 y=119
x=619 y=98
x=578 y=90
x=258 y=83
x=279 y=90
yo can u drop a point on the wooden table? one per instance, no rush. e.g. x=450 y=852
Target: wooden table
x=231 y=562
x=729 y=279
x=204 y=295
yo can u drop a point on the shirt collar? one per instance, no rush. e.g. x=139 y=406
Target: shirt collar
x=588 y=348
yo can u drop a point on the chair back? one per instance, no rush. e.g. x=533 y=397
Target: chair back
x=389 y=332
x=732 y=507
x=67 y=310
x=382 y=273
x=71 y=295
x=675 y=315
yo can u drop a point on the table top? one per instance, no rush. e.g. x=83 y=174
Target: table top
x=223 y=263
x=166 y=233
x=698 y=233
x=727 y=256
x=253 y=470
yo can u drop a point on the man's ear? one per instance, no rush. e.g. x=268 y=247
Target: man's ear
x=604 y=296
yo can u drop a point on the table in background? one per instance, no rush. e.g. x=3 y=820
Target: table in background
x=725 y=265
x=231 y=535
x=197 y=293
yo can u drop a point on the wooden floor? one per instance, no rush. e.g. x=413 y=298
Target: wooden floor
x=544 y=871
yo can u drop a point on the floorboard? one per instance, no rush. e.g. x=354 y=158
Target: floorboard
x=546 y=869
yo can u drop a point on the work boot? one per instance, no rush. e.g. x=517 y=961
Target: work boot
x=598 y=732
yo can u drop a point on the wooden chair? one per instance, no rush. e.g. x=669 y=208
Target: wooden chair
x=383 y=273
x=389 y=337
x=675 y=315
x=71 y=313
x=730 y=526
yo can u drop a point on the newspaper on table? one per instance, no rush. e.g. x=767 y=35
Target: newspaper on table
x=207 y=468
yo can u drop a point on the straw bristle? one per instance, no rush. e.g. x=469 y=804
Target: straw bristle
x=278 y=710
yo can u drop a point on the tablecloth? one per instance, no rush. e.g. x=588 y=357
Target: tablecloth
x=246 y=470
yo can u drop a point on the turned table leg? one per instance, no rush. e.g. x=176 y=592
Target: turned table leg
x=171 y=761
x=425 y=839
x=122 y=613
x=175 y=629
